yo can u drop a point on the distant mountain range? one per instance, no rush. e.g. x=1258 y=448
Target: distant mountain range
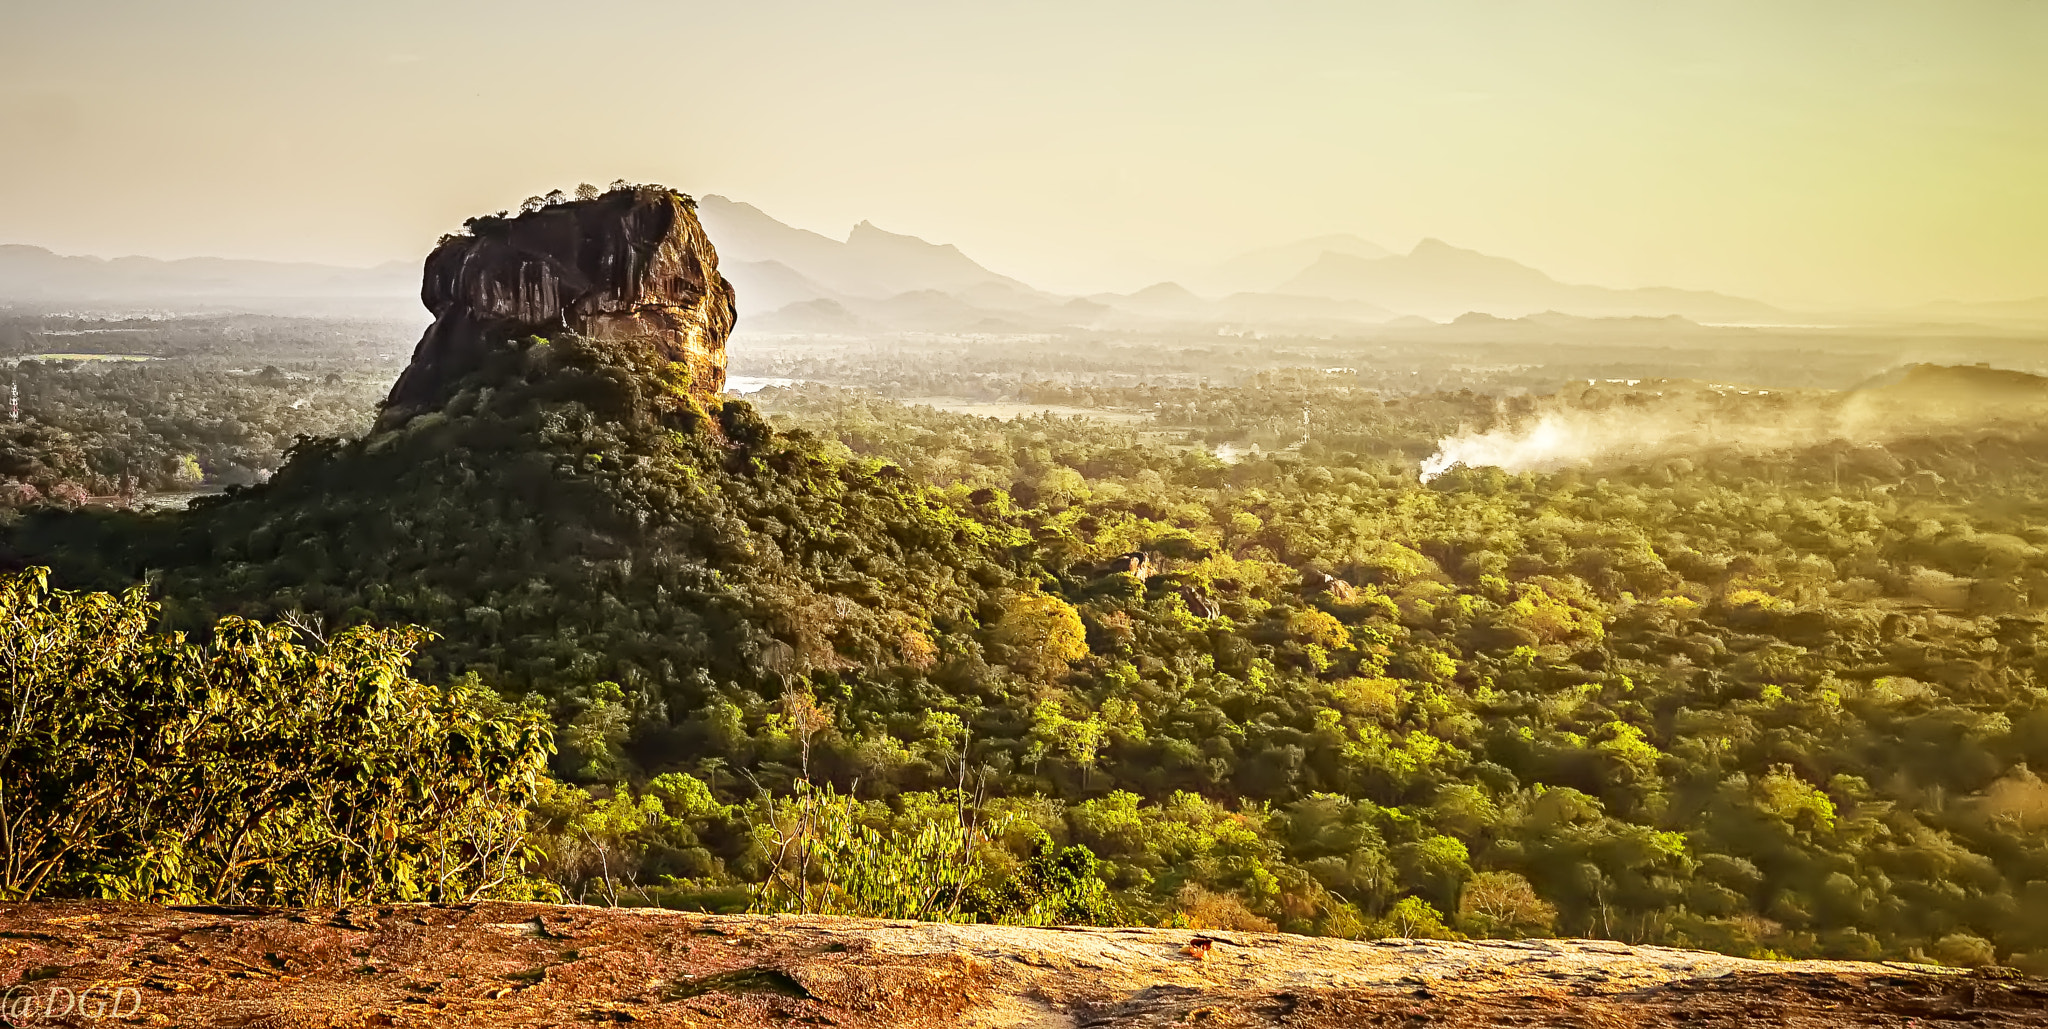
x=32 y=273
x=1438 y=280
x=792 y=280
x=755 y=249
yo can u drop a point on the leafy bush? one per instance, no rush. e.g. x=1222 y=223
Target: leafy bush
x=824 y=860
x=253 y=768
x=1055 y=886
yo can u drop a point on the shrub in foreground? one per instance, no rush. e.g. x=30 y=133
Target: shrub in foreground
x=267 y=765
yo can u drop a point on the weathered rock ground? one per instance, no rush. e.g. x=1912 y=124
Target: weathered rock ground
x=501 y=964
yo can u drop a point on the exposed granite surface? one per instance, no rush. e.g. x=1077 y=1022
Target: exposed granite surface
x=498 y=964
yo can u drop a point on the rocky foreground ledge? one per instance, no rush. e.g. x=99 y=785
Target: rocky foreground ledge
x=540 y=965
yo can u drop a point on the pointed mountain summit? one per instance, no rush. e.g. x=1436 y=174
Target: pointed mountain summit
x=1165 y=293
x=871 y=263
x=750 y=237
x=907 y=259
x=632 y=264
x=1161 y=299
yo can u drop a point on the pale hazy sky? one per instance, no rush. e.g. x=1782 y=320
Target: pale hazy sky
x=1818 y=152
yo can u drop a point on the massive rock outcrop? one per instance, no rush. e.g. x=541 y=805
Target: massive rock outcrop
x=633 y=264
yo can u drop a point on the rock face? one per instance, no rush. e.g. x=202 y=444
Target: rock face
x=503 y=964
x=633 y=263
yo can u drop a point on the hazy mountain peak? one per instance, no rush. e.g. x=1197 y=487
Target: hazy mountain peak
x=867 y=234
x=768 y=258
x=25 y=250
x=1263 y=269
x=720 y=201
x=36 y=273
x=1164 y=291
x=1434 y=249
x=744 y=224
x=1440 y=280
x=1347 y=243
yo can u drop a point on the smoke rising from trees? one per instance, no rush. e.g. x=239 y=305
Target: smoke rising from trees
x=1621 y=421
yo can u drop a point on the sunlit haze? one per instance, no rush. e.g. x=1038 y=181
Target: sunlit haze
x=1871 y=154
x=1541 y=500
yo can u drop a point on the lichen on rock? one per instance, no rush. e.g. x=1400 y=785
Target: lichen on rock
x=632 y=264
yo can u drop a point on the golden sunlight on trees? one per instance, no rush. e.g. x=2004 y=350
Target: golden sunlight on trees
x=1548 y=618
x=1045 y=631
x=1319 y=628
x=1504 y=904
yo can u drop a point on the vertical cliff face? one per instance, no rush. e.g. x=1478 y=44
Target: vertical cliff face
x=631 y=264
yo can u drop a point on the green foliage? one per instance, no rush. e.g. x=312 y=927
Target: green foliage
x=663 y=843
x=1054 y=886
x=1413 y=918
x=253 y=768
x=1776 y=708
x=97 y=427
x=568 y=520
x=1044 y=630
x=1504 y=904
x=822 y=859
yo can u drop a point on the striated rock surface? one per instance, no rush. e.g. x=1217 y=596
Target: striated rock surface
x=505 y=964
x=633 y=263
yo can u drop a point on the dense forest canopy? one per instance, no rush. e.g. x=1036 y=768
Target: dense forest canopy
x=1772 y=700
x=132 y=405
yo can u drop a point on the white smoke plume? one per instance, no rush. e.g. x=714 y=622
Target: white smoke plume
x=1610 y=425
x=1555 y=439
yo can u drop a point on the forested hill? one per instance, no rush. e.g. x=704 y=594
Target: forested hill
x=581 y=510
